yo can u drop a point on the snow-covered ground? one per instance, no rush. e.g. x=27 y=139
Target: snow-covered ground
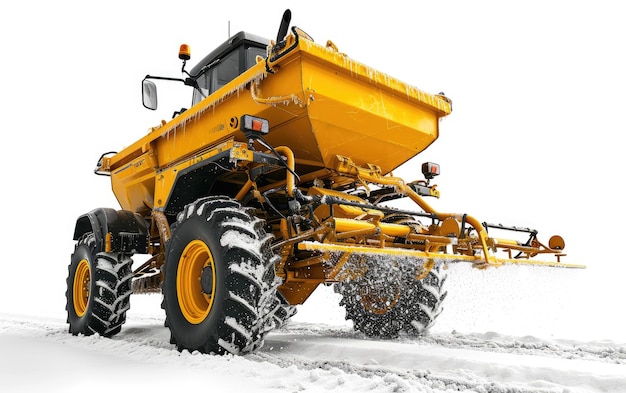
x=318 y=351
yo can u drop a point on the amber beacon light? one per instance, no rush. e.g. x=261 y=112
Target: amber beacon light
x=184 y=53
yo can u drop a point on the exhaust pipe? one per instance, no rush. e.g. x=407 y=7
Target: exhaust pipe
x=284 y=26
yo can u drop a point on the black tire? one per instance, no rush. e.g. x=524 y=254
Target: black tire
x=425 y=301
x=220 y=282
x=280 y=313
x=98 y=290
x=389 y=299
x=371 y=301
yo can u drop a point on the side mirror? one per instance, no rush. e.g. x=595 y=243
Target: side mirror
x=149 y=94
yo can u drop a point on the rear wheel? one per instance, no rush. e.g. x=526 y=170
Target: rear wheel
x=219 y=282
x=98 y=289
x=425 y=300
x=372 y=301
x=391 y=298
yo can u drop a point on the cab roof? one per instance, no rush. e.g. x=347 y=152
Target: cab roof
x=234 y=41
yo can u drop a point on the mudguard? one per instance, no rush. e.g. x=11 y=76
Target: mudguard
x=129 y=231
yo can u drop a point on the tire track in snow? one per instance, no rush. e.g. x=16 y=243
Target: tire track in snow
x=399 y=381
x=142 y=327
x=490 y=342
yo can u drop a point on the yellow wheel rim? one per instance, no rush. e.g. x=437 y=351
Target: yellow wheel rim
x=379 y=302
x=194 y=303
x=423 y=271
x=80 y=291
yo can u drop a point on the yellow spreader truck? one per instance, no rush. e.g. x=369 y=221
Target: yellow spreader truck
x=275 y=180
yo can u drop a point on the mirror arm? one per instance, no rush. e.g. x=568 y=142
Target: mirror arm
x=164 y=78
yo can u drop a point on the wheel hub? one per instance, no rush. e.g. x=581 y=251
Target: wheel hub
x=206 y=280
x=379 y=300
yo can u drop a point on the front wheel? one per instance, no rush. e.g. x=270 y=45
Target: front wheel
x=219 y=278
x=98 y=290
